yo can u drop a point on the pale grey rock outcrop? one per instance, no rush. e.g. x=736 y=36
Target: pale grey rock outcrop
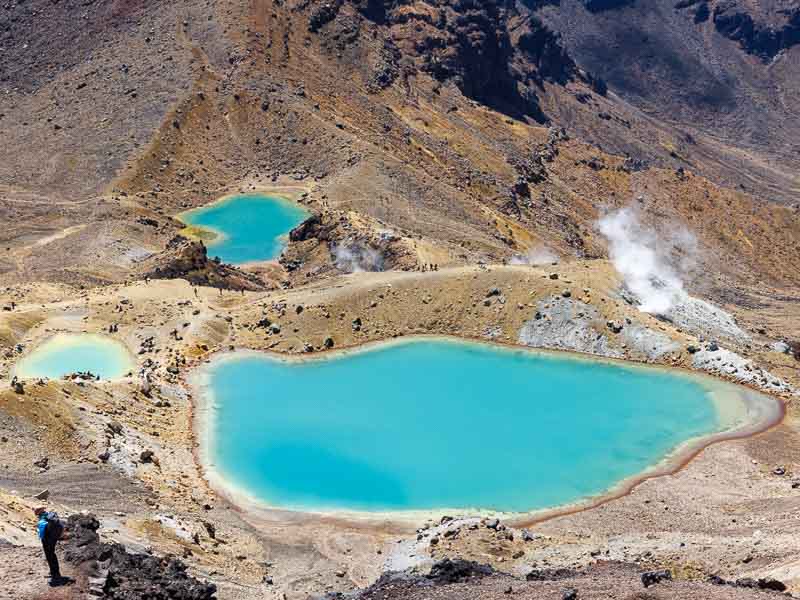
x=703 y=318
x=647 y=341
x=734 y=366
x=567 y=324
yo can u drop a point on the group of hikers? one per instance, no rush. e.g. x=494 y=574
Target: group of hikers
x=50 y=530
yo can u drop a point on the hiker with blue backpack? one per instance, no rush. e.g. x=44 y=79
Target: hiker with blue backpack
x=50 y=530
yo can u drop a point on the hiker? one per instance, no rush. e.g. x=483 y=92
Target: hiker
x=51 y=530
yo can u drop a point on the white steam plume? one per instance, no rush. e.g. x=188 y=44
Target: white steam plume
x=541 y=255
x=652 y=264
x=355 y=258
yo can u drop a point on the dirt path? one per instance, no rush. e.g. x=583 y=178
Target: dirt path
x=25 y=576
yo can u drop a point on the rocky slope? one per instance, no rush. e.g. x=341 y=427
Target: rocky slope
x=615 y=581
x=114 y=573
x=723 y=73
x=764 y=29
x=422 y=119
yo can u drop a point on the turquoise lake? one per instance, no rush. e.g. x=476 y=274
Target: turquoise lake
x=67 y=353
x=431 y=424
x=249 y=227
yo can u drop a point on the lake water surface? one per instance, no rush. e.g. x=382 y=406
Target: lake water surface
x=427 y=424
x=245 y=228
x=67 y=353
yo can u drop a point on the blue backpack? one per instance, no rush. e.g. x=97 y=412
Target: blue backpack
x=50 y=526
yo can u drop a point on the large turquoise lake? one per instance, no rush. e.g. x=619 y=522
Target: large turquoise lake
x=431 y=424
x=247 y=227
x=67 y=353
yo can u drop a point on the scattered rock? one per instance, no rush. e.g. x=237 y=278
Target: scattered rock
x=549 y=574
x=449 y=571
x=654 y=577
x=758 y=584
x=781 y=347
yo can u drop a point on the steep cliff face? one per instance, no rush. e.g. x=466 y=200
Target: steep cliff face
x=763 y=29
x=726 y=69
x=495 y=51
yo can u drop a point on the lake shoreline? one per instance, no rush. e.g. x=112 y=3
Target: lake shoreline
x=759 y=412
x=214 y=237
x=59 y=341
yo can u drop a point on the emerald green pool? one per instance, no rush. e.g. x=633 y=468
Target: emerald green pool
x=427 y=424
x=247 y=227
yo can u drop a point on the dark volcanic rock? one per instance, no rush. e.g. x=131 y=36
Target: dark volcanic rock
x=735 y=20
x=129 y=576
x=762 y=30
x=185 y=259
x=603 y=5
x=323 y=14
x=549 y=574
x=312 y=227
x=495 y=51
x=449 y=571
x=653 y=577
x=757 y=584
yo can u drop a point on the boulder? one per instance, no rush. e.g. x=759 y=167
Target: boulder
x=449 y=571
x=654 y=577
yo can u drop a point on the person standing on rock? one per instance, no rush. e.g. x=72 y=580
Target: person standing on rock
x=50 y=530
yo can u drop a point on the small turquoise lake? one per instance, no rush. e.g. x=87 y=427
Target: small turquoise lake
x=246 y=227
x=67 y=353
x=429 y=423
